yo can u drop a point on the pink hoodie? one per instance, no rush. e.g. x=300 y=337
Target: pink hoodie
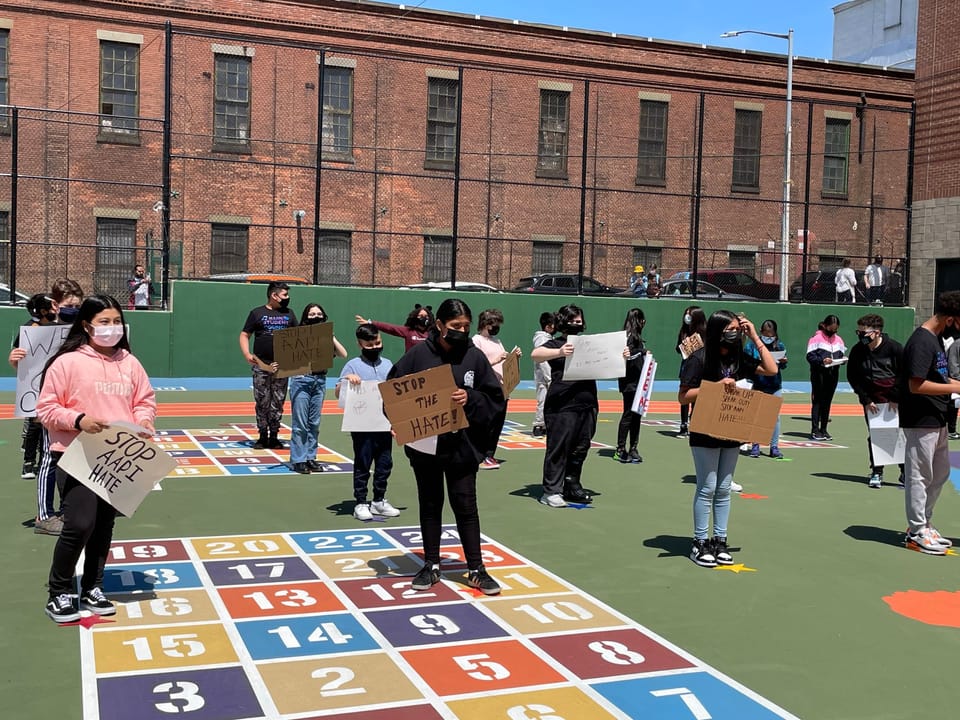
x=105 y=388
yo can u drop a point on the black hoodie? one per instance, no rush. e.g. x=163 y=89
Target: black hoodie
x=873 y=373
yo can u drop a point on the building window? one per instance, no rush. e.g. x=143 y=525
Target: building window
x=652 y=147
x=4 y=78
x=746 y=150
x=442 y=96
x=437 y=258
x=116 y=256
x=647 y=256
x=228 y=248
x=547 y=258
x=119 y=90
x=231 y=104
x=554 y=126
x=836 y=147
x=745 y=260
x=337 y=134
x=333 y=260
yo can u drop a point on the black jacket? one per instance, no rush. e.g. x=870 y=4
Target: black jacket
x=873 y=374
x=471 y=371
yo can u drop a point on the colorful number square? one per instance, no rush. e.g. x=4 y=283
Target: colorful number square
x=141 y=577
x=552 y=613
x=291 y=637
x=373 y=593
x=137 y=551
x=141 y=649
x=562 y=702
x=430 y=624
x=163 y=608
x=411 y=538
x=379 y=563
x=610 y=653
x=269 y=600
x=241 y=546
x=258 y=570
x=338 y=541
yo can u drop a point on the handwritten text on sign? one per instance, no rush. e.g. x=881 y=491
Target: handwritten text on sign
x=419 y=405
x=303 y=349
x=40 y=342
x=596 y=357
x=731 y=413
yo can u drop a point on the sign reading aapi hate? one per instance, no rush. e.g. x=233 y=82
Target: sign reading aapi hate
x=419 y=405
x=731 y=413
x=117 y=464
x=303 y=349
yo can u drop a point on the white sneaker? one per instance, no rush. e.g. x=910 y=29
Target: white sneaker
x=383 y=507
x=554 y=501
x=735 y=486
x=938 y=538
x=362 y=512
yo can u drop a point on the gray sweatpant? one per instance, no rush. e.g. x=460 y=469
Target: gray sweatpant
x=926 y=469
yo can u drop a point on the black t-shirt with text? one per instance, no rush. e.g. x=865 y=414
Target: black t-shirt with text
x=567 y=395
x=262 y=322
x=923 y=357
x=740 y=367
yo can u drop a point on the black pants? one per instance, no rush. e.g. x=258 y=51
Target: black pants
x=629 y=422
x=568 y=442
x=87 y=527
x=371 y=448
x=823 y=384
x=951 y=417
x=461 y=485
x=31 y=440
x=493 y=437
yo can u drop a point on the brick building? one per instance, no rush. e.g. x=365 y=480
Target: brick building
x=503 y=148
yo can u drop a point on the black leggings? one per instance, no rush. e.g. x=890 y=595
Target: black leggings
x=568 y=442
x=461 y=483
x=823 y=384
x=629 y=422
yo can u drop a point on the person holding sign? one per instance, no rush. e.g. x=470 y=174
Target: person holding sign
x=721 y=359
x=458 y=454
x=93 y=380
x=306 y=403
x=770 y=384
x=269 y=391
x=825 y=352
x=369 y=448
x=692 y=327
x=630 y=421
x=415 y=328
x=873 y=372
x=489 y=344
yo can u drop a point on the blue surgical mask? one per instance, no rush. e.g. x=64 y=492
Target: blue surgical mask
x=767 y=340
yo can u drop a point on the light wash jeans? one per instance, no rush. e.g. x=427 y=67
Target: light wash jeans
x=714 y=467
x=306 y=401
x=926 y=470
x=775 y=438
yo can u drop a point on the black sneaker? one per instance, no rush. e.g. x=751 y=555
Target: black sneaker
x=301 y=468
x=826 y=435
x=482 y=581
x=720 y=552
x=261 y=443
x=96 y=602
x=538 y=431
x=315 y=466
x=577 y=495
x=28 y=471
x=620 y=455
x=428 y=576
x=684 y=432
x=634 y=456
x=61 y=609
x=275 y=443
x=701 y=554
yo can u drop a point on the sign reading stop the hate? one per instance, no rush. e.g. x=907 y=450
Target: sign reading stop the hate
x=419 y=405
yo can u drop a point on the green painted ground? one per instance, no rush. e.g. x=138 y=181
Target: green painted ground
x=808 y=630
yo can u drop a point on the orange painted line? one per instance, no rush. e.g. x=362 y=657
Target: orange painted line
x=517 y=405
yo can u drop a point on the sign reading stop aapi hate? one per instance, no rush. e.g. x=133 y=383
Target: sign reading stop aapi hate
x=303 y=349
x=419 y=405
x=117 y=465
x=731 y=413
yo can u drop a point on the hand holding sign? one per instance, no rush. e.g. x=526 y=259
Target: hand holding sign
x=303 y=349
x=424 y=404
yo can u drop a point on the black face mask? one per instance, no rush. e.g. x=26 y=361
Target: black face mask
x=284 y=303
x=423 y=322
x=495 y=330
x=456 y=338
x=573 y=328
x=69 y=313
x=314 y=320
x=50 y=316
x=371 y=354
x=829 y=333
x=731 y=337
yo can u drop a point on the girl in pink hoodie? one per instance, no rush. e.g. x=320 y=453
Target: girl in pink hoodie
x=93 y=380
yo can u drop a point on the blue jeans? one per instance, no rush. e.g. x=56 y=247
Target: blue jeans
x=306 y=401
x=714 y=467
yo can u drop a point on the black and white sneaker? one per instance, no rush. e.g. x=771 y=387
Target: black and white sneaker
x=62 y=609
x=701 y=554
x=96 y=602
x=720 y=552
x=482 y=581
x=428 y=576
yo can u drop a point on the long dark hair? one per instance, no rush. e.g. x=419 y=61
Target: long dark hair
x=452 y=308
x=633 y=323
x=308 y=308
x=77 y=337
x=698 y=322
x=412 y=320
x=713 y=361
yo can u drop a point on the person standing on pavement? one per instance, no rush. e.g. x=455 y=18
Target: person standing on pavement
x=875 y=281
x=541 y=370
x=845 y=281
x=487 y=341
x=824 y=350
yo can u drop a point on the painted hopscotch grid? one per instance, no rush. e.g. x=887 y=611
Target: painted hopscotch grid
x=324 y=624
x=228 y=450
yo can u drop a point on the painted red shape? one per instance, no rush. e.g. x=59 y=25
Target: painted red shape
x=753 y=496
x=941 y=607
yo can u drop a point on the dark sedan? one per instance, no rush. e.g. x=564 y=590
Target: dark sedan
x=564 y=284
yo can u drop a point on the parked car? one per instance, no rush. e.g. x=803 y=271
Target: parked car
x=18 y=298
x=683 y=289
x=465 y=286
x=819 y=287
x=564 y=284
x=734 y=281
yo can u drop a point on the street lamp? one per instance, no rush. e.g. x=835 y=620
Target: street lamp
x=788 y=151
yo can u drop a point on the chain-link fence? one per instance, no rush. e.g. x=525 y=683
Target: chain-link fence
x=347 y=168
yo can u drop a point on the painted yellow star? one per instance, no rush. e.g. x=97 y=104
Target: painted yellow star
x=951 y=551
x=738 y=568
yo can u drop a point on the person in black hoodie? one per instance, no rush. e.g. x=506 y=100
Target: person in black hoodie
x=872 y=371
x=458 y=454
x=630 y=421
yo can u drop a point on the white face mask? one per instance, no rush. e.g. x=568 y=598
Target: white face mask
x=107 y=335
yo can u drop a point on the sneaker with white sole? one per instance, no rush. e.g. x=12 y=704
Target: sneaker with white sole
x=62 y=609
x=362 y=511
x=482 y=581
x=701 y=554
x=53 y=525
x=875 y=481
x=489 y=464
x=384 y=508
x=428 y=576
x=555 y=501
x=938 y=538
x=28 y=471
x=720 y=552
x=96 y=602
x=735 y=486
x=924 y=542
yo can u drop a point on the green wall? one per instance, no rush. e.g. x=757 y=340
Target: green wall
x=199 y=337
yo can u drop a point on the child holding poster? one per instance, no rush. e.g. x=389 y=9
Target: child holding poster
x=629 y=385
x=693 y=323
x=92 y=381
x=369 y=448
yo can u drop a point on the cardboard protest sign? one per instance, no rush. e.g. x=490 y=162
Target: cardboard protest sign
x=303 y=349
x=596 y=357
x=690 y=345
x=511 y=373
x=363 y=407
x=41 y=343
x=641 y=399
x=731 y=413
x=887 y=441
x=419 y=405
x=117 y=465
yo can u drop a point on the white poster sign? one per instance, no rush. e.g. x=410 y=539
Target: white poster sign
x=363 y=408
x=117 y=464
x=641 y=399
x=41 y=343
x=887 y=441
x=596 y=357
